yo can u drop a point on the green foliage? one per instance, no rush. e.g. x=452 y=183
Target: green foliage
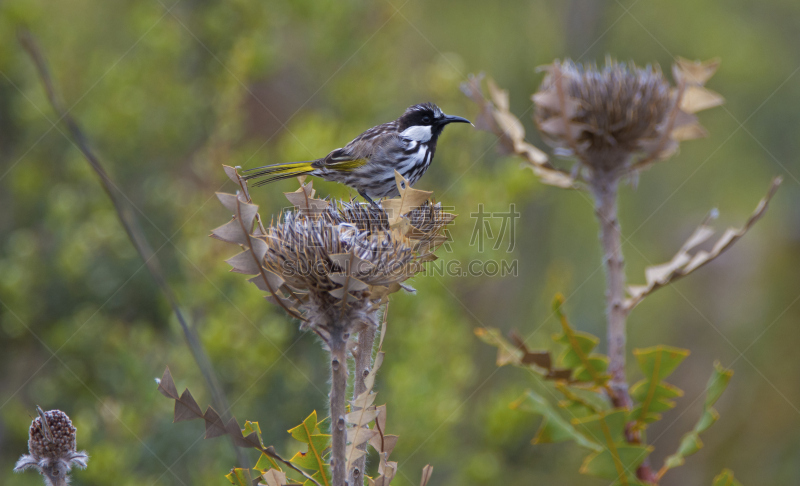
x=554 y=428
x=241 y=477
x=691 y=443
x=578 y=356
x=577 y=364
x=318 y=448
x=617 y=462
x=586 y=416
x=651 y=392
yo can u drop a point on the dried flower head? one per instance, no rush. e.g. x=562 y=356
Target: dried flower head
x=331 y=262
x=606 y=116
x=52 y=448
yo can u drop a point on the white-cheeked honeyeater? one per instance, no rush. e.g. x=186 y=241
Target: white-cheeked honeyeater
x=367 y=164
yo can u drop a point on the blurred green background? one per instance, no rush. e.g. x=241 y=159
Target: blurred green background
x=168 y=90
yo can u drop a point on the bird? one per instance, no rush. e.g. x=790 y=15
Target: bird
x=368 y=162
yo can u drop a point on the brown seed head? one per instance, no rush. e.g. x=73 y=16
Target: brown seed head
x=603 y=116
x=63 y=436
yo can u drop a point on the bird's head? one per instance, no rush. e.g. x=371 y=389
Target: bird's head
x=425 y=121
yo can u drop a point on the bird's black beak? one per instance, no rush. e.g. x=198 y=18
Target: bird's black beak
x=454 y=119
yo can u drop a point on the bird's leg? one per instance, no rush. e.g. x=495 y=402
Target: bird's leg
x=368 y=199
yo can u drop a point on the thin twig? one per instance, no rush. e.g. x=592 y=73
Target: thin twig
x=131 y=225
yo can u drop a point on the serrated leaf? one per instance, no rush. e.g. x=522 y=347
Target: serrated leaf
x=691 y=443
x=240 y=477
x=244 y=263
x=496 y=118
x=542 y=359
x=305 y=460
x=717 y=384
x=689 y=258
x=249 y=437
x=265 y=462
x=304 y=431
x=231 y=173
x=186 y=408
x=166 y=385
x=694 y=72
x=214 y=425
x=359 y=435
x=619 y=462
x=553 y=428
x=313 y=459
x=274 y=281
x=231 y=201
x=231 y=232
x=581 y=402
x=657 y=363
x=506 y=352
x=696 y=98
x=321 y=477
x=384 y=444
x=605 y=428
x=578 y=351
x=303 y=199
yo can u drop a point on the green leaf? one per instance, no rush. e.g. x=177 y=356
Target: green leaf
x=580 y=402
x=507 y=353
x=691 y=443
x=249 y=428
x=266 y=463
x=588 y=367
x=319 y=477
x=657 y=363
x=725 y=478
x=604 y=428
x=619 y=462
x=314 y=458
x=304 y=431
x=717 y=384
x=240 y=477
x=554 y=428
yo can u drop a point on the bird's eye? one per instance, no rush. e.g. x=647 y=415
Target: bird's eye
x=426 y=119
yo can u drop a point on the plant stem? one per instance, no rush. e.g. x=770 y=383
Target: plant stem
x=604 y=187
x=366 y=342
x=338 y=348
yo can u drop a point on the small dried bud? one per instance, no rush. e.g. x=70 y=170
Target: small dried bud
x=63 y=436
x=602 y=116
x=52 y=448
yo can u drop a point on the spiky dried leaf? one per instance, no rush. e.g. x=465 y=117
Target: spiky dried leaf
x=496 y=118
x=186 y=408
x=687 y=260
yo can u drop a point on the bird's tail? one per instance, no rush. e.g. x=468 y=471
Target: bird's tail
x=276 y=172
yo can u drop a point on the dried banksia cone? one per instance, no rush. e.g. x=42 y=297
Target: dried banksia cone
x=331 y=263
x=52 y=448
x=607 y=116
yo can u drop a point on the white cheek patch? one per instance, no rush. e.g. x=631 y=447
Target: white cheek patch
x=420 y=133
